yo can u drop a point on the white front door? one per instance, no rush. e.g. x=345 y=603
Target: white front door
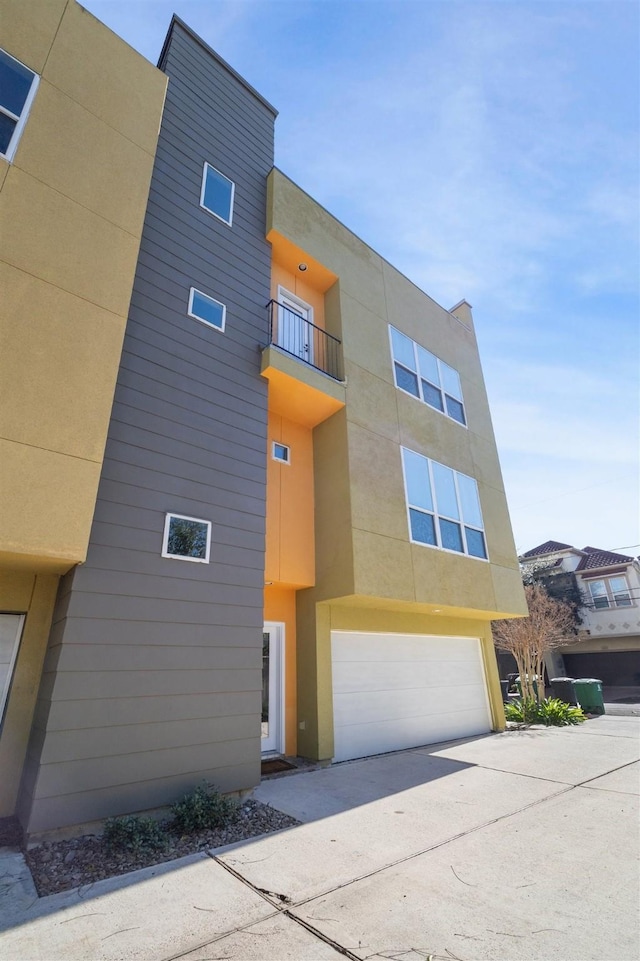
x=273 y=688
x=295 y=333
x=10 y=632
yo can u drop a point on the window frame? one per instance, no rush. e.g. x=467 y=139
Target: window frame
x=5 y=689
x=24 y=113
x=610 y=595
x=435 y=514
x=184 y=557
x=203 y=188
x=192 y=292
x=280 y=460
x=444 y=394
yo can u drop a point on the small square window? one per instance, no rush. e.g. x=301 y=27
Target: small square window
x=18 y=86
x=206 y=309
x=281 y=452
x=186 y=538
x=217 y=193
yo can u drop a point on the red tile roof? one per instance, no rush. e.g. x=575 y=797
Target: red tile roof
x=549 y=547
x=595 y=559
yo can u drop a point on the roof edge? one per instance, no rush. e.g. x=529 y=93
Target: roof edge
x=177 y=22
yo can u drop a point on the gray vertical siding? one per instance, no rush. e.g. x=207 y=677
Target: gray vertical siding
x=153 y=675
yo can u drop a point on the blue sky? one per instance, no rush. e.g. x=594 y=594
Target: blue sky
x=489 y=150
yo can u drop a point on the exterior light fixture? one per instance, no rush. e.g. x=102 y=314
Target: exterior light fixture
x=302 y=267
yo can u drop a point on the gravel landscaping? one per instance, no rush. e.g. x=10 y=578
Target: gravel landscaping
x=60 y=865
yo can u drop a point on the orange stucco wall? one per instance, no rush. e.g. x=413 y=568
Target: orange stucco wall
x=280 y=606
x=290 y=556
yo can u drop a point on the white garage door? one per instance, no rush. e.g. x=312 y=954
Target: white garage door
x=394 y=691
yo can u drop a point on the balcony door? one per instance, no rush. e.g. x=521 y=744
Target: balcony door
x=295 y=330
x=273 y=688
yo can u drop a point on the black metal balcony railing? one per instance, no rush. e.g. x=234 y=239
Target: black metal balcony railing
x=297 y=336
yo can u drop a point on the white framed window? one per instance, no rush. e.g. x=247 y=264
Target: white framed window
x=281 y=452
x=610 y=592
x=423 y=375
x=443 y=506
x=217 y=194
x=206 y=309
x=10 y=633
x=18 y=87
x=186 y=538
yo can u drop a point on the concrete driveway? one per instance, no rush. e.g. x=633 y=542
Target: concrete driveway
x=521 y=845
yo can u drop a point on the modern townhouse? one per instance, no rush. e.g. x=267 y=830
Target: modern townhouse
x=296 y=534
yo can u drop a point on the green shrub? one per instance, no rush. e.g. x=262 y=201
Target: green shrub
x=556 y=713
x=524 y=712
x=552 y=711
x=204 y=808
x=139 y=835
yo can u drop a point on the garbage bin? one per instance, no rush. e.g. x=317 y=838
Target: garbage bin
x=564 y=688
x=589 y=694
x=505 y=691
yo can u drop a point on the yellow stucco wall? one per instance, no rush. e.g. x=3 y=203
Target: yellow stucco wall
x=369 y=576
x=33 y=595
x=378 y=419
x=72 y=204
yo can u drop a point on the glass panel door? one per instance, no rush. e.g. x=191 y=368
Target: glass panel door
x=295 y=333
x=272 y=689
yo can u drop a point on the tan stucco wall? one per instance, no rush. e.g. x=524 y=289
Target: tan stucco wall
x=363 y=553
x=379 y=419
x=72 y=205
x=33 y=595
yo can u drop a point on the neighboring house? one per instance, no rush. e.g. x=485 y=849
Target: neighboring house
x=609 y=586
x=79 y=118
x=299 y=536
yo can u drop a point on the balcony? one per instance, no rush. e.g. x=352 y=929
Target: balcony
x=303 y=365
x=296 y=335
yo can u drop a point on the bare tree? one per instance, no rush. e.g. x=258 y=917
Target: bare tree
x=550 y=624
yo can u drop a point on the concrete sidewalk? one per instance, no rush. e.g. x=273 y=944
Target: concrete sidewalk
x=521 y=845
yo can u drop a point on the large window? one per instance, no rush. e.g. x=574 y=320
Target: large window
x=217 y=193
x=444 y=507
x=17 y=89
x=610 y=592
x=425 y=376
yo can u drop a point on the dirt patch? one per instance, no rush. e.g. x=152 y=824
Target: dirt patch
x=60 y=865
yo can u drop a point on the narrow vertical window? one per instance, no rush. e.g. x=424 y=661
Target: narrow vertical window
x=217 y=194
x=18 y=86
